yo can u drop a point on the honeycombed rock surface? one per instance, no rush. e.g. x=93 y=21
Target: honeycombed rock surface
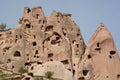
x=100 y=60
x=54 y=43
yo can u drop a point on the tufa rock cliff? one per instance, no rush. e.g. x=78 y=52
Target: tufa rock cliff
x=54 y=43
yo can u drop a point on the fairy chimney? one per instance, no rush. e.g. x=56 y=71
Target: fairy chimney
x=101 y=60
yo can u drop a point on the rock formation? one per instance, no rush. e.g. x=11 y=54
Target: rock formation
x=101 y=60
x=54 y=43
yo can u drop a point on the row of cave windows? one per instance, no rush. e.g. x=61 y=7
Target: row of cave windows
x=49 y=28
x=85 y=72
x=98 y=46
x=52 y=42
x=50 y=55
x=33 y=43
x=17 y=53
x=111 y=53
x=21 y=36
x=37 y=16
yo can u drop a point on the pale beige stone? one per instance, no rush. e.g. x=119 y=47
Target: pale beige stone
x=101 y=60
x=56 y=67
x=27 y=77
x=39 y=40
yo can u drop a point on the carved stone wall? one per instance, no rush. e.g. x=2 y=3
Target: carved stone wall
x=38 y=39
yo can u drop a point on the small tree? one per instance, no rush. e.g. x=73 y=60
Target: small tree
x=22 y=70
x=49 y=74
x=2 y=26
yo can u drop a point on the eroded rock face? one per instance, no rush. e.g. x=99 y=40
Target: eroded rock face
x=100 y=61
x=41 y=40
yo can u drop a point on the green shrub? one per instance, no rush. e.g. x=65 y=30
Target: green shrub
x=22 y=70
x=49 y=74
x=31 y=74
x=39 y=78
x=2 y=26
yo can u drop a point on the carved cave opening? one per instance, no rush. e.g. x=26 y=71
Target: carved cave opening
x=6 y=48
x=43 y=21
x=73 y=41
x=64 y=33
x=37 y=16
x=69 y=69
x=51 y=59
x=77 y=45
x=48 y=39
x=110 y=56
x=57 y=38
x=20 y=36
x=17 y=54
x=42 y=27
x=118 y=76
x=39 y=62
x=50 y=55
x=27 y=64
x=13 y=67
x=98 y=47
x=112 y=52
x=16 y=36
x=9 y=60
x=32 y=68
x=36 y=52
x=0 y=35
x=55 y=33
x=81 y=78
x=28 y=10
x=54 y=42
x=85 y=72
x=73 y=72
x=34 y=43
x=49 y=28
x=77 y=53
x=27 y=78
x=89 y=56
x=27 y=58
x=34 y=37
x=78 y=34
x=16 y=40
x=58 y=21
x=98 y=44
x=27 y=25
x=65 y=62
